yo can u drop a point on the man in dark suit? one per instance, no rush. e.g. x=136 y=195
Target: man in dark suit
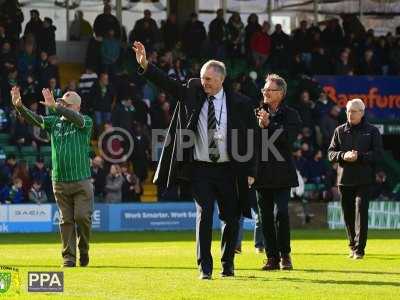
x=276 y=172
x=218 y=121
x=357 y=147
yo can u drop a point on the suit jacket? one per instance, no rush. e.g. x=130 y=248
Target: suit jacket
x=191 y=98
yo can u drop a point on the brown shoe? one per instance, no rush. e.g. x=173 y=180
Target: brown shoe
x=272 y=263
x=286 y=263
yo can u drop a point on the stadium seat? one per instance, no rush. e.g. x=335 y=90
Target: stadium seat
x=28 y=150
x=30 y=159
x=45 y=150
x=4 y=138
x=10 y=149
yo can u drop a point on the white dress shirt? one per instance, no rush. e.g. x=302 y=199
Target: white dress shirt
x=201 y=138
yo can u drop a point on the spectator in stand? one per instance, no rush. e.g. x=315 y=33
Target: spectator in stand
x=105 y=22
x=7 y=169
x=328 y=125
x=36 y=194
x=332 y=37
x=80 y=29
x=178 y=71
x=27 y=61
x=47 y=38
x=316 y=169
x=113 y=187
x=141 y=154
x=305 y=107
x=301 y=42
x=13 y=19
x=381 y=191
x=13 y=194
x=93 y=54
x=217 y=34
x=320 y=64
x=235 y=38
x=86 y=82
x=300 y=162
x=170 y=32
x=160 y=112
x=72 y=86
x=34 y=26
x=21 y=171
x=54 y=87
x=131 y=186
x=41 y=173
x=252 y=27
x=103 y=100
x=280 y=43
x=98 y=177
x=260 y=45
x=322 y=107
x=6 y=84
x=381 y=55
x=124 y=115
x=30 y=90
x=21 y=133
x=343 y=65
x=8 y=59
x=110 y=52
x=145 y=30
x=368 y=65
x=47 y=69
x=194 y=36
x=394 y=58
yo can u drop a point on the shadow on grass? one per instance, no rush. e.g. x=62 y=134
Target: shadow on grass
x=351 y=282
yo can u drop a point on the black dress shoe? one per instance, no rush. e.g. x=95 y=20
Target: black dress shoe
x=205 y=276
x=227 y=273
x=68 y=264
x=84 y=260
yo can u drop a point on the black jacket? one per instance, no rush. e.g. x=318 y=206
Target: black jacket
x=364 y=138
x=190 y=101
x=272 y=173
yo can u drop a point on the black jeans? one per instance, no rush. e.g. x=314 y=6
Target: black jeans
x=276 y=229
x=355 y=203
x=212 y=182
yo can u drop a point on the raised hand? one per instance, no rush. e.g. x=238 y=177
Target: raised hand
x=48 y=98
x=140 y=52
x=16 y=96
x=263 y=118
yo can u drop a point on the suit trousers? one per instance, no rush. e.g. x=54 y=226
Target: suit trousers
x=75 y=202
x=215 y=182
x=276 y=227
x=355 y=203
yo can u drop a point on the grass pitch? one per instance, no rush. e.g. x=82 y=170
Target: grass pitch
x=162 y=265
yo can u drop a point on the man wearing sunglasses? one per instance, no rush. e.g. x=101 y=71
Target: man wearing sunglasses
x=276 y=173
x=70 y=133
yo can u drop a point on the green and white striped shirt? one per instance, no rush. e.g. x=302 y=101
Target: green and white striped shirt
x=70 y=148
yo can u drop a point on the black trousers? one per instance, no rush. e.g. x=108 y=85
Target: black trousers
x=276 y=227
x=355 y=203
x=212 y=182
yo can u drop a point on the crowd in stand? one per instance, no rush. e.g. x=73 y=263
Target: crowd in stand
x=115 y=96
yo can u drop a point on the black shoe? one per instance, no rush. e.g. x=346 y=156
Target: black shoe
x=68 y=264
x=271 y=264
x=205 y=276
x=227 y=273
x=84 y=260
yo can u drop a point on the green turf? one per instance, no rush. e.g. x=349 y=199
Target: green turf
x=162 y=265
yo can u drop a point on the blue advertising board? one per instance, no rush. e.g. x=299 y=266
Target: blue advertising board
x=381 y=94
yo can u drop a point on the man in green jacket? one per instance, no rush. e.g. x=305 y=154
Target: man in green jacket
x=70 y=133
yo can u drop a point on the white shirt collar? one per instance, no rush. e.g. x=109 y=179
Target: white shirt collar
x=219 y=95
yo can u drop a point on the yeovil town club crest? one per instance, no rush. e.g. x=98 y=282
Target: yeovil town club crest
x=5 y=281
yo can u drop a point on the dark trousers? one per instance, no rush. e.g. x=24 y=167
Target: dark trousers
x=215 y=182
x=276 y=229
x=355 y=203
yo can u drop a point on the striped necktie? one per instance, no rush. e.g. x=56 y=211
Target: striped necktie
x=213 y=152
